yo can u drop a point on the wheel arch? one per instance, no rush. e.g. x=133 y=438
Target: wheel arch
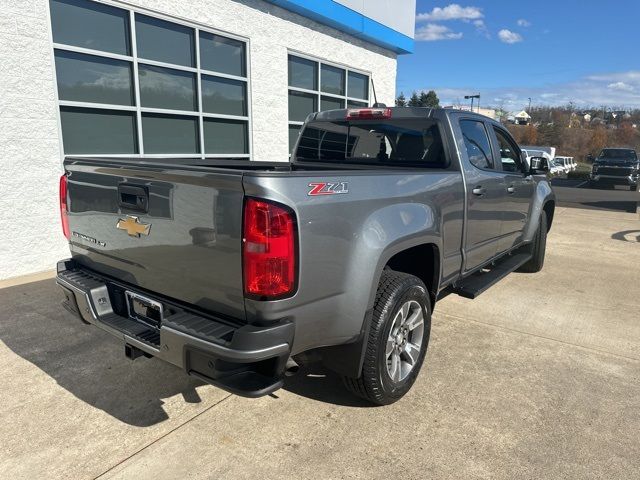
x=549 y=208
x=544 y=200
x=347 y=359
x=422 y=261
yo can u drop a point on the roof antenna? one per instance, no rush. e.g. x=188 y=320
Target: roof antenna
x=375 y=98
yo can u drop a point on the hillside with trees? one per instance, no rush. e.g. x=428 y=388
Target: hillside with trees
x=579 y=133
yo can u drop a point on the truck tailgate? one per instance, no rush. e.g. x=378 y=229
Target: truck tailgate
x=172 y=230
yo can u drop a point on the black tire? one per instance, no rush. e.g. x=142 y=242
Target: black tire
x=537 y=248
x=375 y=384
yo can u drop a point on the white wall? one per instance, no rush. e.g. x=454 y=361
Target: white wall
x=30 y=234
x=30 y=237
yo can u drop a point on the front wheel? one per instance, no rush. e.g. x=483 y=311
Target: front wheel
x=397 y=341
x=538 y=248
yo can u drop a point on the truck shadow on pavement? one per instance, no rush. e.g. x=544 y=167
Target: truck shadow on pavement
x=627 y=236
x=316 y=382
x=84 y=360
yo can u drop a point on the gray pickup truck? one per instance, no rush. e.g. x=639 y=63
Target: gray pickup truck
x=234 y=271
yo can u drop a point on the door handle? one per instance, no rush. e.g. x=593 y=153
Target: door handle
x=511 y=189
x=478 y=191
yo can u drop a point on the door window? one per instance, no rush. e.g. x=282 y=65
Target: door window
x=477 y=144
x=508 y=153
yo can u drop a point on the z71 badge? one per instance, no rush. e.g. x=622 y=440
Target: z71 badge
x=328 y=188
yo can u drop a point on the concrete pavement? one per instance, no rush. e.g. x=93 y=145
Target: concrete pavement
x=537 y=378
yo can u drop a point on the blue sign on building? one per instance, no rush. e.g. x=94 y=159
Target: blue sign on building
x=388 y=23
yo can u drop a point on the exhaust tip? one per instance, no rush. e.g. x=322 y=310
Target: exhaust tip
x=291 y=368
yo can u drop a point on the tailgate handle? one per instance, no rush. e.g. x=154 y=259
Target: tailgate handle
x=133 y=197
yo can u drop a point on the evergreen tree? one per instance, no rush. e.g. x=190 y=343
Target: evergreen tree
x=429 y=99
x=401 y=101
x=414 y=101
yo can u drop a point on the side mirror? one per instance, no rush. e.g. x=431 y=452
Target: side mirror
x=538 y=165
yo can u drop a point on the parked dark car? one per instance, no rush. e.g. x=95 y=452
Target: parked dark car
x=616 y=166
x=231 y=270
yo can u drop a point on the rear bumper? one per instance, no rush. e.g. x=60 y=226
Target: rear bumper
x=244 y=359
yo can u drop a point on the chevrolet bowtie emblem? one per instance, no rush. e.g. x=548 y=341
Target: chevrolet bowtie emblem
x=133 y=226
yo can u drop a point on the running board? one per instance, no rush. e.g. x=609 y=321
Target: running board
x=477 y=283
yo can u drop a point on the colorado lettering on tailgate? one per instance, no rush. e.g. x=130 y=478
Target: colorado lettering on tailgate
x=327 y=188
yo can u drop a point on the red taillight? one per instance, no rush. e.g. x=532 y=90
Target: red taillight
x=269 y=250
x=64 y=207
x=368 y=113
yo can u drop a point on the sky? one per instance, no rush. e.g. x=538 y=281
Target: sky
x=581 y=51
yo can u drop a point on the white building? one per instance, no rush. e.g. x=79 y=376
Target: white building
x=487 y=112
x=522 y=118
x=204 y=78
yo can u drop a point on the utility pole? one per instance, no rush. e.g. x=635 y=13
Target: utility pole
x=529 y=111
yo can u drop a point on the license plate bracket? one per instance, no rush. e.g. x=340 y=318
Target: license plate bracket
x=144 y=309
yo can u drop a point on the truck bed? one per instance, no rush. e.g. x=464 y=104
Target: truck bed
x=192 y=251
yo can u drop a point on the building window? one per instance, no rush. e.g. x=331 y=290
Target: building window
x=315 y=86
x=132 y=84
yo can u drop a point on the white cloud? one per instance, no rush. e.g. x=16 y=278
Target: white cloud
x=523 y=23
x=451 y=12
x=481 y=28
x=631 y=77
x=625 y=87
x=432 y=32
x=590 y=91
x=507 y=36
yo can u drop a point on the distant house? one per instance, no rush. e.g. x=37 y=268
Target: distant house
x=522 y=118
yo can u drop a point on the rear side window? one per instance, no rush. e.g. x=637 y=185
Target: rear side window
x=476 y=142
x=411 y=142
x=509 y=155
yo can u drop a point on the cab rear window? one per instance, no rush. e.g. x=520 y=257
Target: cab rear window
x=410 y=142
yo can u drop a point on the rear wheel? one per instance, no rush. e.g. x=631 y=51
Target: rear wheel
x=398 y=339
x=538 y=248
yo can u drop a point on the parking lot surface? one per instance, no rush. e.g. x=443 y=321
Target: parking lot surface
x=537 y=378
